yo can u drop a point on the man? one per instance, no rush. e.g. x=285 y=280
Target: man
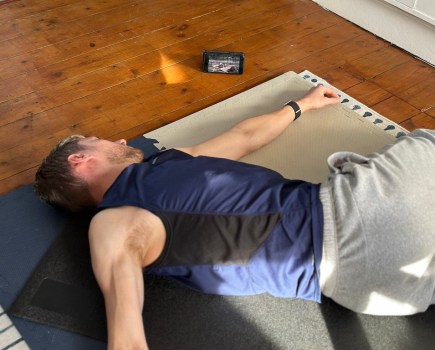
x=365 y=238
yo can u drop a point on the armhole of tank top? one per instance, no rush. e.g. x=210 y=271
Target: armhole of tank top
x=168 y=230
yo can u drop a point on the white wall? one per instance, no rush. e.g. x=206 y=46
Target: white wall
x=396 y=25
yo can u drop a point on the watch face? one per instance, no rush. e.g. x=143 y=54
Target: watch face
x=223 y=62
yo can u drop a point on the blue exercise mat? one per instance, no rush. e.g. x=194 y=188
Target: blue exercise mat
x=28 y=228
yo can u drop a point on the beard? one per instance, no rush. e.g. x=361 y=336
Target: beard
x=125 y=154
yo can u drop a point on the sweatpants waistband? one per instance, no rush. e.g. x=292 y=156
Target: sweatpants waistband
x=328 y=265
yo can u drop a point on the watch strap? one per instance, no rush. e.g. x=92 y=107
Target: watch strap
x=295 y=107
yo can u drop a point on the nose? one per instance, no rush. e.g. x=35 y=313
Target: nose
x=121 y=142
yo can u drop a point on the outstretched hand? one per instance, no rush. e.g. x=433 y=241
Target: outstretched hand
x=318 y=97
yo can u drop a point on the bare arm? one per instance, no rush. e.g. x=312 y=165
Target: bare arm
x=253 y=133
x=117 y=260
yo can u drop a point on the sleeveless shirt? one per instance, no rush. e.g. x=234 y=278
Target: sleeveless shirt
x=231 y=228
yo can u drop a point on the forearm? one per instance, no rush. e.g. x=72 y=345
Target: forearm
x=124 y=302
x=121 y=281
x=253 y=133
x=261 y=130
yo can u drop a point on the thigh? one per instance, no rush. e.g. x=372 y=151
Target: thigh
x=384 y=226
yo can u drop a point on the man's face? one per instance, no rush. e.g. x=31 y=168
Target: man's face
x=115 y=152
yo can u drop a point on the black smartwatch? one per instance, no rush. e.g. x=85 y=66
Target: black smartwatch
x=295 y=107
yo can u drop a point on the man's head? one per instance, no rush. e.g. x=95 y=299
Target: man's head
x=75 y=168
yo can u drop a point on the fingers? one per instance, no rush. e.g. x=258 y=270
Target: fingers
x=323 y=91
x=332 y=97
x=321 y=96
x=331 y=94
x=318 y=97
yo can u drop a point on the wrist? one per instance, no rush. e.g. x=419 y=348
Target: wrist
x=303 y=105
x=296 y=108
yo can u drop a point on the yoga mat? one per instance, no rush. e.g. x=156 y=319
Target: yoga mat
x=62 y=293
x=28 y=228
x=302 y=150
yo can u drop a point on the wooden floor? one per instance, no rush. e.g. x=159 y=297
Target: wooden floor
x=119 y=68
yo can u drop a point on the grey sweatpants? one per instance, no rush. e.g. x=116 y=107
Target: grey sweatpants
x=379 y=235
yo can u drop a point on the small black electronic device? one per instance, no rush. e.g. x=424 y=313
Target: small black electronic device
x=223 y=62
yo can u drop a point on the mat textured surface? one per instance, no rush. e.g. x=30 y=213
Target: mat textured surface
x=60 y=290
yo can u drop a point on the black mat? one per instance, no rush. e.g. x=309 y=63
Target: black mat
x=62 y=293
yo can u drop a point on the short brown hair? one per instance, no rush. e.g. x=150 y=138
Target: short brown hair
x=55 y=182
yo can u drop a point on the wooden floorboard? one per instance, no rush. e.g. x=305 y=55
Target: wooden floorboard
x=118 y=69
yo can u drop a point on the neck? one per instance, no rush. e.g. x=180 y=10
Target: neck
x=100 y=185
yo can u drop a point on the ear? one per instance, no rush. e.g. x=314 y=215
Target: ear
x=77 y=159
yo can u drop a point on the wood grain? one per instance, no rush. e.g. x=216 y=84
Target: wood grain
x=117 y=68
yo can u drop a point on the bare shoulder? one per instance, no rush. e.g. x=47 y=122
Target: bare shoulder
x=127 y=229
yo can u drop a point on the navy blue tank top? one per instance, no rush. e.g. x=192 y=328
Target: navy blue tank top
x=232 y=228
